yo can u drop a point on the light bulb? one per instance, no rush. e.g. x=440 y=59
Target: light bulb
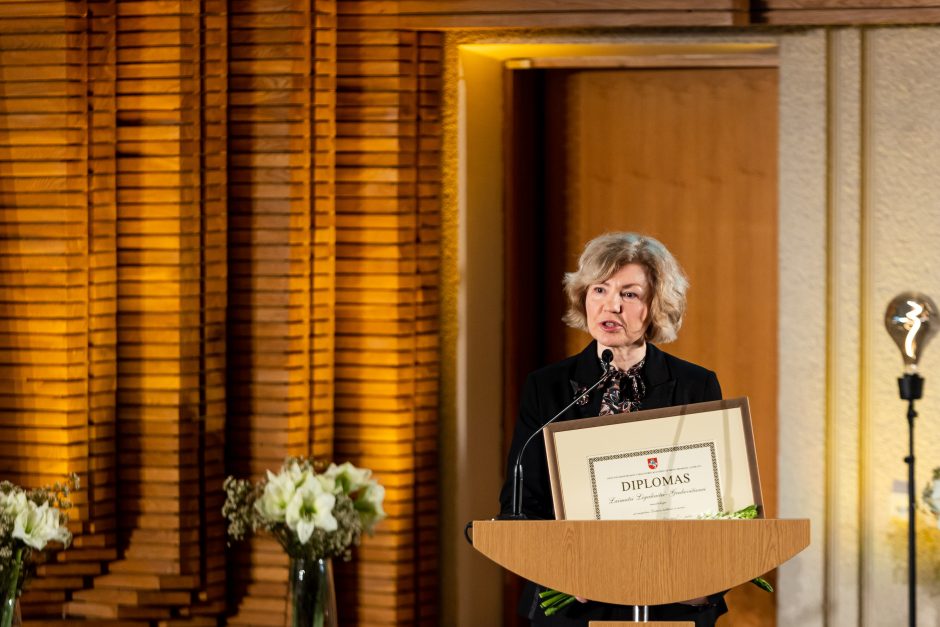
x=911 y=320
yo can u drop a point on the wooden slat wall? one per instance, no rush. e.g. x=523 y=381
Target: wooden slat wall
x=323 y=311
x=270 y=190
x=170 y=311
x=430 y=89
x=179 y=284
x=57 y=268
x=461 y=14
x=386 y=333
x=211 y=593
x=98 y=539
x=43 y=181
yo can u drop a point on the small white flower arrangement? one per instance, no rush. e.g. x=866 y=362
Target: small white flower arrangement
x=29 y=521
x=312 y=514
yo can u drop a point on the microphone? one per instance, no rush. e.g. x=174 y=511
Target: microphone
x=606 y=357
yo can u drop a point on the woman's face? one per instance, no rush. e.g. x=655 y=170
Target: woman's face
x=618 y=309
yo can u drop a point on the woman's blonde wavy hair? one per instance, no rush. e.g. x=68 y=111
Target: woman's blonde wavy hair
x=605 y=255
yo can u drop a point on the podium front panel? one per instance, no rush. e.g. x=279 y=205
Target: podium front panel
x=641 y=562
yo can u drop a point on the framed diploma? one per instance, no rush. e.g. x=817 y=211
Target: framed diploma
x=675 y=462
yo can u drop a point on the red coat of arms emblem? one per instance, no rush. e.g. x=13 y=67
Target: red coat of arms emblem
x=652 y=463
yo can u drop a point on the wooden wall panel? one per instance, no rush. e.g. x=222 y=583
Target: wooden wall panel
x=447 y=14
x=212 y=424
x=269 y=238
x=323 y=316
x=177 y=270
x=170 y=279
x=387 y=253
x=57 y=290
x=430 y=89
x=44 y=250
x=281 y=246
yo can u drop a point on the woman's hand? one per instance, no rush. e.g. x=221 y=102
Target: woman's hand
x=580 y=599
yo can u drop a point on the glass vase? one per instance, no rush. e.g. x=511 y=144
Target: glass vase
x=311 y=597
x=9 y=592
x=10 y=611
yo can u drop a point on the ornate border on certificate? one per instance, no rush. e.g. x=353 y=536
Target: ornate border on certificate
x=670 y=449
x=711 y=442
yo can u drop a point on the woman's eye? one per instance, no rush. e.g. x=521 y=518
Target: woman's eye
x=630 y=295
x=598 y=290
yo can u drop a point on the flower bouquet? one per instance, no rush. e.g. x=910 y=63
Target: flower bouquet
x=29 y=520
x=315 y=514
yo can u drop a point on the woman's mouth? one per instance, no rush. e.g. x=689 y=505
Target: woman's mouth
x=609 y=325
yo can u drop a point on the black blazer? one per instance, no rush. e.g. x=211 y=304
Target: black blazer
x=669 y=381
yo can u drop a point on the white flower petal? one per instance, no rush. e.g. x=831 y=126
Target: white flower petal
x=305 y=530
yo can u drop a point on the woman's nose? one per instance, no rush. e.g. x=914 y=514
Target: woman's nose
x=614 y=302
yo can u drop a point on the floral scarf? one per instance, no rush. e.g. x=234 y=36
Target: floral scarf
x=624 y=391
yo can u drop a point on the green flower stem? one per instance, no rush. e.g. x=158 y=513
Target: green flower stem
x=568 y=601
x=549 y=597
x=552 y=601
x=12 y=587
x=762 y=583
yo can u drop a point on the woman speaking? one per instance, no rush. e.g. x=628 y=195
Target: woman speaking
x=628 y=292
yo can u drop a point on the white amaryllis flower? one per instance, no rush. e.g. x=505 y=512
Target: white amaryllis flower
x=327 y=482
x=369 y=505
x=296 y=472
x=12 y=503
x=311 y=507
x=278 y=492
x=347 y=477
x=37 y=525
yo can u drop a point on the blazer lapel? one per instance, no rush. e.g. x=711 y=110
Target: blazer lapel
x=587 y=370
x=660 y=386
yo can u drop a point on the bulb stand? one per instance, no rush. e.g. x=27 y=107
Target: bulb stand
x=911 y=388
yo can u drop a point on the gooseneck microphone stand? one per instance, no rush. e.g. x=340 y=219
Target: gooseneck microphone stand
x=606 y=357
x=516 y=514
x=911 y=387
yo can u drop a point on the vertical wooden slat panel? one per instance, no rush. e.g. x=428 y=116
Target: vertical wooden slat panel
x=269 y=238
x=273 y=275
x=101 y=482
x=170 y=305
x=43 y=255
x=158 y=306
x=427 y=542
x=56 y=277
x=323 y=326
x=386 y=330
x=213 y=90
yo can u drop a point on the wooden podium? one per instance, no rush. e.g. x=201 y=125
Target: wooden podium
x=640 y=562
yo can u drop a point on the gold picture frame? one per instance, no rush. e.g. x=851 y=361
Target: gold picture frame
x=699 y=456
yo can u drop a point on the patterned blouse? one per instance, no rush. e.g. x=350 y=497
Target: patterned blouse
x=624 y=391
